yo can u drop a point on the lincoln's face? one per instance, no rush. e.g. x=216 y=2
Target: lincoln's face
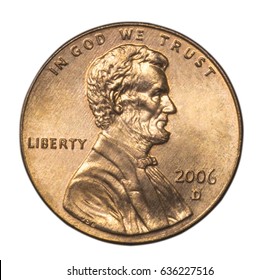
x=147 y=114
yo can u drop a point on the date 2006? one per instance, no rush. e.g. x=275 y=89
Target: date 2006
x=190 y=176
x=187 y=270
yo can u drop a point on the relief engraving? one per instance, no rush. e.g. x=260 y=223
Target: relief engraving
x=128 y=34
x=55 y=143
x=87 y=44
x=118 y=187
x=59 y=65
x=188 y=53
x=196 y=194
x=190 y=176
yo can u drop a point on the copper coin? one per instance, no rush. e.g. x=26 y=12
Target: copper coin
x=131 y=132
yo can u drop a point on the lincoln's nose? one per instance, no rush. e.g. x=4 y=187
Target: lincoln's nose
x=168 y=105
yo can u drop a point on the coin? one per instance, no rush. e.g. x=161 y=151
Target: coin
x=131 y=132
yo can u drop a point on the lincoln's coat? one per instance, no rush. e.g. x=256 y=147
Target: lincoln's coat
x=116 y=192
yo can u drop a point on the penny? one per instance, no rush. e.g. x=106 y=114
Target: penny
x=131 y=133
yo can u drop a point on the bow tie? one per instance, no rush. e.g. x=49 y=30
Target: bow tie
x=144 y=162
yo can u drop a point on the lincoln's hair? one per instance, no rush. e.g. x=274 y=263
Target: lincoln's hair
x=113 y=74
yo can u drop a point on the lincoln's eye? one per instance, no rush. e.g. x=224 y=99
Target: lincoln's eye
x=157 y=93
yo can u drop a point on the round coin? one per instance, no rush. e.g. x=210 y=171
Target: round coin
x=131 y=132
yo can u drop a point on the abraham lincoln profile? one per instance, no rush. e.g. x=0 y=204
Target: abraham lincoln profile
x=118 y=187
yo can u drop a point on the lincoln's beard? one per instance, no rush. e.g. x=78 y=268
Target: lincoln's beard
x=151 y=130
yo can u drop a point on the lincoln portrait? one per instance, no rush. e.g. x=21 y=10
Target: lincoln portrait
x=119 y=187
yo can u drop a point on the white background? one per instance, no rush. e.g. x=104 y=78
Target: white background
x=240 y=237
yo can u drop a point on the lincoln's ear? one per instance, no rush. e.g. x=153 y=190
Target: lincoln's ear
x=118 y=109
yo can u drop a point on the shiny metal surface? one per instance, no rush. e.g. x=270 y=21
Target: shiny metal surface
x=131 y=133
